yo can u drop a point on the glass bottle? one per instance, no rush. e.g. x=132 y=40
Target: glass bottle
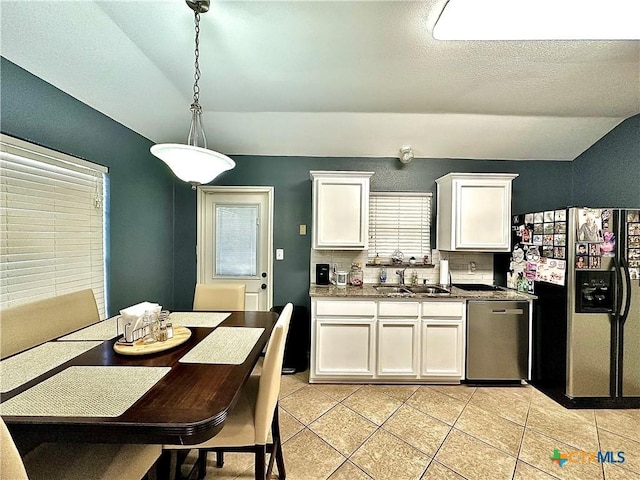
x=355 y=275
x=152 y=326
x=169 y=330
x=383 y=275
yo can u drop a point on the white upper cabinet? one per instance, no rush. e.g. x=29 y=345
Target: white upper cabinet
x=474 y=212
x=340 y=210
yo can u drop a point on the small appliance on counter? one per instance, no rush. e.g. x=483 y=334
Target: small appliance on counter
x=322 y=274
x=341 y=278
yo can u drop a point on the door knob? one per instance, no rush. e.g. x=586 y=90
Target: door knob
x=263 y=286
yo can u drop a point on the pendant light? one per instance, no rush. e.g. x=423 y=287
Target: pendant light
x=194 y=162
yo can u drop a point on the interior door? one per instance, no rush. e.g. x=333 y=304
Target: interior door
x=235 y=238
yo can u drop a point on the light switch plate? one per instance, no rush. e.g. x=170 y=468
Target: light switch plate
x=303 y=229
x=279 y=253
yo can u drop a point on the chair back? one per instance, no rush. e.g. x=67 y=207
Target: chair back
x=11 y=465
x=269 y=387
x=219 y=296
x=28 y=325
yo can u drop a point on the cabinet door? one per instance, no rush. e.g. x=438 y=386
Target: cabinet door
x=474 y=212
x=398 y=342
x=341 y=211
x=344 y=348
x=483 y=215
x=442 y=348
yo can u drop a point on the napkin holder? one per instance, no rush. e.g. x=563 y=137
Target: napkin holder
x=131 y=323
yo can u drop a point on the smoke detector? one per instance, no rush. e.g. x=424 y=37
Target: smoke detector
x=406 y=154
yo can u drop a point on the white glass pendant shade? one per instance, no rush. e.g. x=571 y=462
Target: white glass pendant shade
x=194 y=162
x=195 y=165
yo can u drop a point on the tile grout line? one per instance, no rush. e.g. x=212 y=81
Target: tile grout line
x=524 y=431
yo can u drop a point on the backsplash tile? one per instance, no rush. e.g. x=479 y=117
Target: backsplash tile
x=458 y=266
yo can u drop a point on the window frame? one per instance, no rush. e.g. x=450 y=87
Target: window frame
x=422 y=240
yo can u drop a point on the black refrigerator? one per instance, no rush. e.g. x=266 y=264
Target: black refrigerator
x=583 y=264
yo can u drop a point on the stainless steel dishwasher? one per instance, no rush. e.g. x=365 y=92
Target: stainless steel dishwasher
x=497 y=340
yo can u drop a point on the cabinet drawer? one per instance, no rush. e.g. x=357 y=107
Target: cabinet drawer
x=398 y=309
x=443 y=309
x=342 y=309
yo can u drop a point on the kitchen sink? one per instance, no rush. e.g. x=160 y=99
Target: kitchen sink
x=388 y=289
x=410 y=291
x=427 y=289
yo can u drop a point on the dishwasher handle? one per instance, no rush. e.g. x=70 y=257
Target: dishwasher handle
x=508 y=311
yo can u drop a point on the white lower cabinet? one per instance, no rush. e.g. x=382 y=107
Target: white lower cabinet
x=343 y=339
x=442 y=349
x=443 y=340
x=387 y=341
x=344 y=348
x=398 y=339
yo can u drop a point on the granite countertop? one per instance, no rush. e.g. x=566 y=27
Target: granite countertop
x=368 y=291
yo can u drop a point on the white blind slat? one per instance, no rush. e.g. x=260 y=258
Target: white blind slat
x=51 y=225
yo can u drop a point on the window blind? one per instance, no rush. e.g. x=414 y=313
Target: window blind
x=237 y=240
x=52 y=224
x=399 y=221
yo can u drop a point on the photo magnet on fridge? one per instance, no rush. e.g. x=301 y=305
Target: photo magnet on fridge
x=608 y=246
x=582 y=262
x=582 y=249
x=589 y=225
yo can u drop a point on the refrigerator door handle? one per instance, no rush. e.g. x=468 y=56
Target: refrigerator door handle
x=627 y=302
x=618 y=304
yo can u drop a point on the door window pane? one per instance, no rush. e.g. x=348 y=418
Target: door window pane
x=236 y=240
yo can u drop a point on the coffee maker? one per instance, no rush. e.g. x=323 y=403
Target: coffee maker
x=322 y=274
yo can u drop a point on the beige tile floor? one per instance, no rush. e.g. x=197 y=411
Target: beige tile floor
x=353 y=432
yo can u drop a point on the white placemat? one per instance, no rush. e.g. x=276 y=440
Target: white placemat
x=26 y=366
x=105 y=330
x=229 y=345
x=198 y=319
x=86 y=392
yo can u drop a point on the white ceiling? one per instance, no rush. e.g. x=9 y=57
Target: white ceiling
x=326 y=78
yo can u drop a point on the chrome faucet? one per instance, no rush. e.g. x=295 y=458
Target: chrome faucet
x=401 y=274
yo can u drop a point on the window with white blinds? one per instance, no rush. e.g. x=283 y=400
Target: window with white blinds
x=399 y=221
x=52 y=224
x=237 y=240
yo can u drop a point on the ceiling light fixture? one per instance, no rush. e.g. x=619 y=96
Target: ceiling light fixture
x=406 y=154
x=193 y=162
x=539 y=20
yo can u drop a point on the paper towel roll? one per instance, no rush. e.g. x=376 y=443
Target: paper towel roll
x=444 y=272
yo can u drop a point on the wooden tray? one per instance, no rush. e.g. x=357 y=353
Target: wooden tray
x=180 y=335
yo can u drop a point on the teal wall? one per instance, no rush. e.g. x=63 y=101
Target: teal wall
x=541 y=185
x=608 y=173
x=141 y=187
x=153 y=217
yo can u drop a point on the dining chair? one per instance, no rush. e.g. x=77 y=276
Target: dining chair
x=246 y=429
x=78 y=461
x=11 y=465
x=219 y=296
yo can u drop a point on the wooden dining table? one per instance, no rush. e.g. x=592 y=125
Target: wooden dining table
x=188 y=405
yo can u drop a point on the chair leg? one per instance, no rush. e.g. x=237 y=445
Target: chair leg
x=219 y=458
x=277 y=445
x=260 y=457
